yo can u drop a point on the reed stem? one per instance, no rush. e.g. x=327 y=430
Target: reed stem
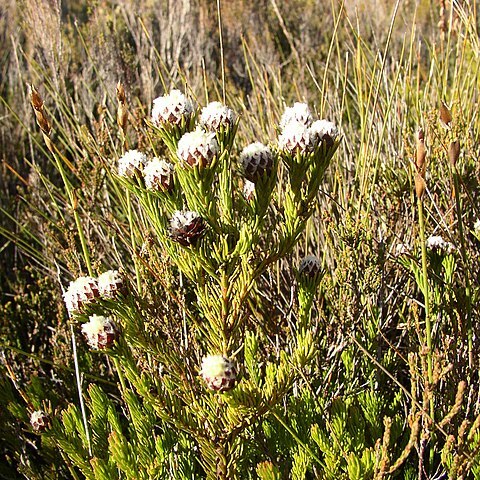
x=428 y=324
x=463 y=252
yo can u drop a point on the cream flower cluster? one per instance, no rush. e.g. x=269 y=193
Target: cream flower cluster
x=476 y=226
x=256 y=160
x=215 y=115
x=186 y=227
x=300 y=132
x=158 y=174
x=248 y=189
x=218 y=372
x=309 y=266
x=110 y=284
x=197 y=148
x=323 y=128
x=296 y=136
x=171 y=108
x=130 y=162
x=194 y=148
x=437 y=244
x=80 y=292
x=85 y=290
x=300 y=112
x=100 y=332
x=39 y=421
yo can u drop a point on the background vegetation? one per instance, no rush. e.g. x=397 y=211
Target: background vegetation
x=392 y=392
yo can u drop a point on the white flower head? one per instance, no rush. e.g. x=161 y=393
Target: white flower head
x=298 y=113
x=39 y=421
x=186 y=227
x=248 y=189
x=132 y=161
x=216 y=114
x=436 y=243
x=81 y=291
x=100 y=332
x=158 y=174
x=219 y=372
x=401 y=249
x=256 y=159
x=309 y=266
x=323 y=128
x=296 y=136
x=254 y=149
x=180 y=218
x=476 y=226
x=197 y=147
x=110 y=284
x=171 y=108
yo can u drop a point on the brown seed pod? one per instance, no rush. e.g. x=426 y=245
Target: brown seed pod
x=122 y=110
x=454 y=152
x=445 y=116
x=421 y=153
x=420 y=185
x=37 y=104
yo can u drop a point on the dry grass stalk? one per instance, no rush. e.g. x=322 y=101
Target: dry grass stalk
x=385 y=460
x=122 y=113
x=456 y=406
x=414 y=421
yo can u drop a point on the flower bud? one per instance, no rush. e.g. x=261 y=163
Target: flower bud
x=197 y=148
x=186 y=227
x=100 y=332
x=219 y=373
x=39 y=421
x=110 y=284
x=131 y=162
x=171 y=108
x=158 y=175
x=80 y=292
x=215 y=114
x=256 y=160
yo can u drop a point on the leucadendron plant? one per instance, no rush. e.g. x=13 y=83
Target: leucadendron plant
x=193 y=382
